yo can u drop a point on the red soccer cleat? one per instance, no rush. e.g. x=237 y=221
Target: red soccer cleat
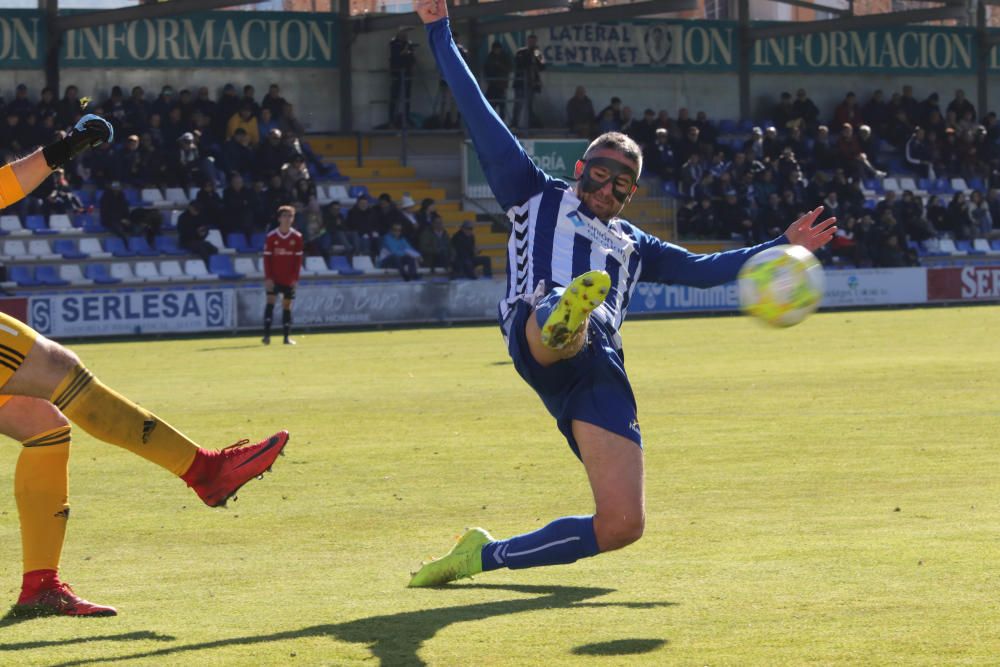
x=217 y=476
x=59 y=600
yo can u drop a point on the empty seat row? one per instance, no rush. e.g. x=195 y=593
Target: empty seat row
x=57 y=223
x=123 y=272
x=922 y=186
x=950 y=248
x=220 y=267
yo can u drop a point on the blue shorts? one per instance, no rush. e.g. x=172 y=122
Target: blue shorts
x=591 y=387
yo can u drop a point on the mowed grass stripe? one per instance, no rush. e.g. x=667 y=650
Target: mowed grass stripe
x=827 y=494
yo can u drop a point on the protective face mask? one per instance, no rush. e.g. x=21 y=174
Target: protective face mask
x=598 y=171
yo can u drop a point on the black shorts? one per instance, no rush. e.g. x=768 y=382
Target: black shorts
x=287 y=291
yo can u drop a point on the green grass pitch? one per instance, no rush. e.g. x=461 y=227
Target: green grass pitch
x=824 y=495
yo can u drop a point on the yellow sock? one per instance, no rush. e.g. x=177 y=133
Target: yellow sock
x=109 y=416
x=41 y=485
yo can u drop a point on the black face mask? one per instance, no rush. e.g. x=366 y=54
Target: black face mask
x=589 y=184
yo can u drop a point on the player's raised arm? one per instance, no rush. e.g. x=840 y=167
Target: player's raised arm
x=667 y=263
x=512 y=175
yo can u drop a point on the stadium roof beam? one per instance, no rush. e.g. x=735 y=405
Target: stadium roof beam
x=506 y=11
x=172 y=8
x=950 y=11
x=459 y=13
x=840 y=11
x=578 y=16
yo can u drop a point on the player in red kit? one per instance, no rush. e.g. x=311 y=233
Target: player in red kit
x=282 y=265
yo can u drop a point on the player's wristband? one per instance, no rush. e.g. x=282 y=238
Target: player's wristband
x=59 y=153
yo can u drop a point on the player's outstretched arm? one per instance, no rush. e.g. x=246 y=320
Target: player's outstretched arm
x=512 y=175
x=20 y=177
x=667 y=263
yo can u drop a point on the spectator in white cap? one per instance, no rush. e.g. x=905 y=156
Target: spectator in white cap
x=408 y=217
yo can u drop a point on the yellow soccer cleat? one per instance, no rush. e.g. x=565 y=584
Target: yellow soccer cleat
x=584 y=293
x=463 y=561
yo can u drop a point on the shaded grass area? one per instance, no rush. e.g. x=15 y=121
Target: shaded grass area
x=822 y=495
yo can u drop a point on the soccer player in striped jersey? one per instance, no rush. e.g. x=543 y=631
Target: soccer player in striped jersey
x=283 y=253
x=573 y=264
x=44 y=386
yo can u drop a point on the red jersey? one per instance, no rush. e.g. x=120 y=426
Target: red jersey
x=283 y=256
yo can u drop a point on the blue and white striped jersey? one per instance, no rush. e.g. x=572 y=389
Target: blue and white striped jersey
x=555 y=237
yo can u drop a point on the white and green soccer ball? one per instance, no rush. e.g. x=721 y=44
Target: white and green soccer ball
x=781 y=285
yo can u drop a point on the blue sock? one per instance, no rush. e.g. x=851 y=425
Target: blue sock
x=563 y=541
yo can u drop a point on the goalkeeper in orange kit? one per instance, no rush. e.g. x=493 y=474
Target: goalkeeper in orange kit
x=44 y=387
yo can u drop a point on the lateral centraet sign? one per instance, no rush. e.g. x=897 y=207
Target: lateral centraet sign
x=964 y=283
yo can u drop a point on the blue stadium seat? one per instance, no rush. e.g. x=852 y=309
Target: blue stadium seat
x=168 y=220
x=942 y=186
x=222 y=266
x=670 y=188
x=745 y=126
x=875 y=184
x=727 y=126
x=47 y=275
x=917 y=247
x=357 y=191
x=38 y=225
x=116 y=247
x=334 y=174
x=257 y=241
x=86 y=197
x=89 y=223
x=68 y=249
x=239 y=243
x=995 y=244
x=340 y=264
x=966 y=247
x=167 y=245
x=24 y=276
x=927 y=185
x=99 y=274
x=133 y=197
x=976 y=183
x=140 y=246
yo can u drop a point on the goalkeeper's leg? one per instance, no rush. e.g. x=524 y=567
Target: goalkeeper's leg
x=54 y=373
x=41 y=488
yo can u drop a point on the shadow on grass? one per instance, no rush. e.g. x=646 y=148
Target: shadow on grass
x=223 y=348
x=395 y=639
x=143 y=635
x=620 y=647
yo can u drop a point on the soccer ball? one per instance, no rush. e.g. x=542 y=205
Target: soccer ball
x=781 y=285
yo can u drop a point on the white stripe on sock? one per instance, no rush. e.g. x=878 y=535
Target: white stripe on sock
x=544 y=546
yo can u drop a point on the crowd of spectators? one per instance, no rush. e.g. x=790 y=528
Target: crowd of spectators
x=244 y=157
x=749 y=187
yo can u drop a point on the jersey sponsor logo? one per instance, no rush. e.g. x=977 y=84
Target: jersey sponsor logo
x=634 y=426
